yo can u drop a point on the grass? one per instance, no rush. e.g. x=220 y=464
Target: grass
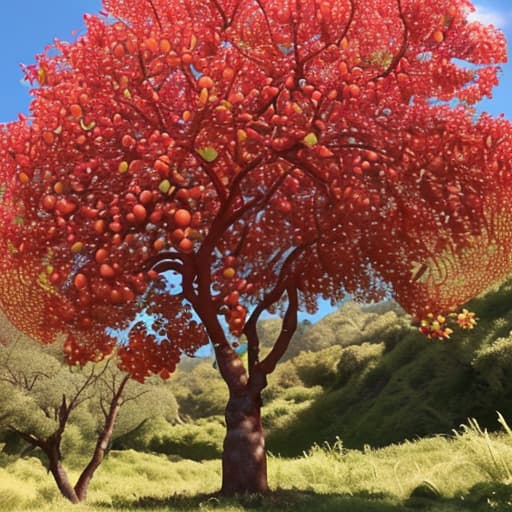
x=469 y=471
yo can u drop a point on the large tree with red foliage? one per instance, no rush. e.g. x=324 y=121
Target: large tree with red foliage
x=263 y=153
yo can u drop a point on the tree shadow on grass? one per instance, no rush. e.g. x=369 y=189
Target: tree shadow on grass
x=298 y=501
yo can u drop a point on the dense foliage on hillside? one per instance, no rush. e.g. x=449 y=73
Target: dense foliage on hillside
x=363 y=374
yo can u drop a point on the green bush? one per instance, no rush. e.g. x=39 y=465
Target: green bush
x=318 y=368
x=284 y=377
x=283 y=412
x=356 y=358
x=195 y=444
x=200 y=391
x=196 y=440
x=494 y=363
x=300 y=394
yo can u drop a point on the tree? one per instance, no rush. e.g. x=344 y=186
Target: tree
x=67 y=412
x=207 y=161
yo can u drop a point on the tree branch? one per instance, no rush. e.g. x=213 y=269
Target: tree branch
x=284 y=281
x=157 y=18
x=288 y=328
x=102 y=442
x=338 y=41
x=403 y=46
x=31 y=439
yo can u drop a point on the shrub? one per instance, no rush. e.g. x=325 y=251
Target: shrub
x=200 y=392
x=200 y=440
x=356 y=358
x=318 y=368
x=494 y=363
x=300 y=394
x=285 y=376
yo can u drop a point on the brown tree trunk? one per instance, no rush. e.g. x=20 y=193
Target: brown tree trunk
x=51 y=448
x=244 y=460
x=60 y=476
x=101 y=445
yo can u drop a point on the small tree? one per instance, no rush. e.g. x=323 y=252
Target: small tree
x=261 y=153
x=47 y=404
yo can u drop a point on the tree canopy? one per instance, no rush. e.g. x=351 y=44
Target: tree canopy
x=257 y=150
x=201 y=162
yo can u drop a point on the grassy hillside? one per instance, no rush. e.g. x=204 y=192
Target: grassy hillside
x=351 y=324
x=351 y=424
x=400 y=386
x=362 y=374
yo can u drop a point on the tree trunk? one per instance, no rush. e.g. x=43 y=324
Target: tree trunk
x=60 y=476
x=85 y=478
x=101 y=445
x=51 y=448
x=244 y=461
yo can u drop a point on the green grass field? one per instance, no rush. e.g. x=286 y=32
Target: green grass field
x=464 y=472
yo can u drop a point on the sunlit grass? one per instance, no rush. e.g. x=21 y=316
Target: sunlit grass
x=467 y=471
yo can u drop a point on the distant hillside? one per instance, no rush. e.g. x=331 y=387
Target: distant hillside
x=412 y=387
x=352 y=324
x=362 y=374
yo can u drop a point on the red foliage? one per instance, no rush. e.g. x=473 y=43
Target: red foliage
x=242 y=144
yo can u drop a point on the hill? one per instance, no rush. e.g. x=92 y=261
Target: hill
x=362 y=374
x=396 y=385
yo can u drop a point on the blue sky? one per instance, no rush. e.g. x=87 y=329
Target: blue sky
x=27 y=26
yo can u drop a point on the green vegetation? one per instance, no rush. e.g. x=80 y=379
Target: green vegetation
x=468 y=471
x=70 y=415
x=396 y=385
x=376 y=383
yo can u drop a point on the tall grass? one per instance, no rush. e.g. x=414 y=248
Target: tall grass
x=470 y=470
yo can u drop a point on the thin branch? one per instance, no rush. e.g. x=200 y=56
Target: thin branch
x=244 y=172
x=34 y=441
x=403 y=46
x=8 y=380
x=222 y=14
x=366 y=147
x=254 y=60
x=15 y=379
x=262 y=200
x=310 y=171
x=134 y=397
x=241 y=241
x=223 y=218
x=157 y=18
x=267 y=21
x=141 y=113
x=217 y=184
x=311 y=56
x=77 y=400
x=36 y=378
x=288 y=328
x=298 y=64
x=102 y=406
x=349 y=22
